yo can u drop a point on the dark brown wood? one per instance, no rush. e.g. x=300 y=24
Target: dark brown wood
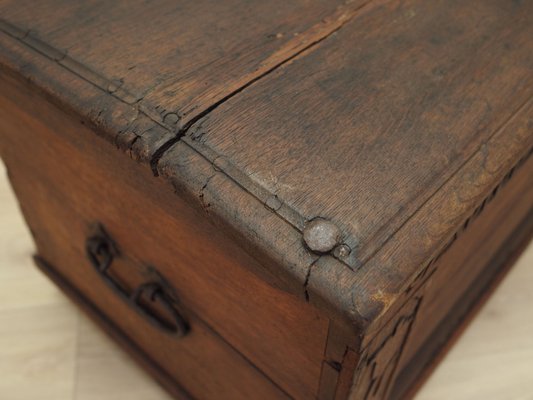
x=439 y=300
x=429 y=354
x=403 y=127
x=364 y=129
x=171 y=61
x=62 y=197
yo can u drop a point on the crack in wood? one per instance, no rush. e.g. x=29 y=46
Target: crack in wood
x=307 y=278
x=205 y=205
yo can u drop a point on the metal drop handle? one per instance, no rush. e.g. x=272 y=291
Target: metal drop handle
x=101 y=252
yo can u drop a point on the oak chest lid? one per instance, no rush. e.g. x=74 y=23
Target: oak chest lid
x=368 y=131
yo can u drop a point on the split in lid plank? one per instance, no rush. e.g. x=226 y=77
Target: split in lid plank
x=173 y=59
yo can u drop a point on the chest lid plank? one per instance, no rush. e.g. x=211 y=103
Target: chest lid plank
x=386 y=122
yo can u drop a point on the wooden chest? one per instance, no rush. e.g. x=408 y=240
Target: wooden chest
x=272 y=199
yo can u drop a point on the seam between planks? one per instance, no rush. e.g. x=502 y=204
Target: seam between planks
x=114 y=88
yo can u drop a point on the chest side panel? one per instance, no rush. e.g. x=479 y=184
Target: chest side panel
x=448 y=289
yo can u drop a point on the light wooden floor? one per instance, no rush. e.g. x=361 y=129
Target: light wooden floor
x=48 y=350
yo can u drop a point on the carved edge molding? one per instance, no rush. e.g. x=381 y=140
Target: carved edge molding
x=379 y=362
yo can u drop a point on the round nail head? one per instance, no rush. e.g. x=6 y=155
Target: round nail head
x=321 y=235
x=342 y=251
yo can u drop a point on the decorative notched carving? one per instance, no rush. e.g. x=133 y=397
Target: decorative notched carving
x=431 y=266
x=378 y=364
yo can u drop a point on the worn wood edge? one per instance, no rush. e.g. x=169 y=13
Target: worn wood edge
x=120 y=337
x=251 y=223
x=146 y=133
x=464 y=311
x=122 y=121
x=429 y=267
x=82 y=93
x=331 y=272
x=52 y=82
x=334 y=286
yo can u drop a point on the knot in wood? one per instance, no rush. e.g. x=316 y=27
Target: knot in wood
x=321 y=235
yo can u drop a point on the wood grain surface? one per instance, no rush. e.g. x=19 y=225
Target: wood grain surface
x=48 y=350
x=366 y=127
x=394 y=120
x=361 y=112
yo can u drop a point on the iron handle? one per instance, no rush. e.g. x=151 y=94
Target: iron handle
x=101 y=252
